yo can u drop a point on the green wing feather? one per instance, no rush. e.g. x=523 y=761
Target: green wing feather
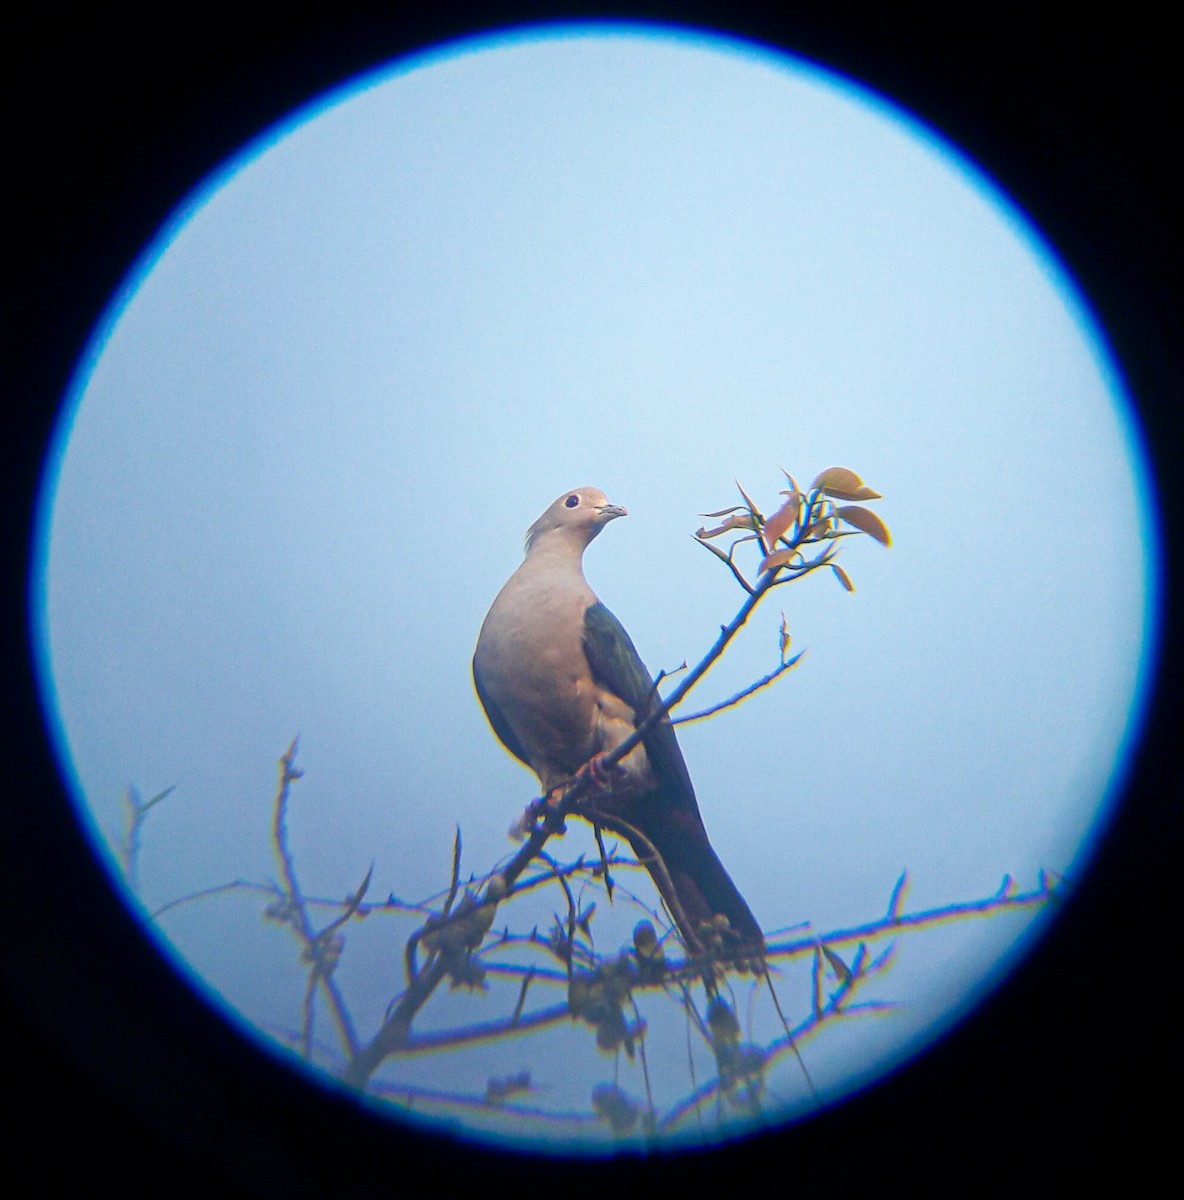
x=617 y=666
x=502 y=727
x=668 y=815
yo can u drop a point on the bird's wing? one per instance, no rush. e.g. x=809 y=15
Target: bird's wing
x=502 y=727
x=617 y=666
x=668 y=816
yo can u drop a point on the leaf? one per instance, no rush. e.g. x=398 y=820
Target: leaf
x=155 y=799
x=586 y=918
x=714 y=549
x=779 y=558
x=837 y=965
x=723 y=512
x=757 y=517
x=843 y=484
x=741 y=520
x=865 y=521
x=353 y=901
x=818 y=529
x=455 y=873
x=785 y=638
x=782 y=519
x=898 y=893
x=752 y=508
x=844 y=578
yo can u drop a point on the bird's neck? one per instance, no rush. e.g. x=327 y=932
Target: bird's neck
x=557 y=550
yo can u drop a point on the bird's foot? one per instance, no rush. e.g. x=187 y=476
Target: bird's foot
x=546 y=809
x=598 y=775
x=537 y=812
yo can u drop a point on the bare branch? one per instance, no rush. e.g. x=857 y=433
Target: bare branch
x=726 y=559
x=137 y=811
x=739 y=697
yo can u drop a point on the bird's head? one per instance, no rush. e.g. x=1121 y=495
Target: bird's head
x=578 y=515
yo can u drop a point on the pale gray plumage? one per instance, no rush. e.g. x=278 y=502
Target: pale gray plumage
x=561 y=682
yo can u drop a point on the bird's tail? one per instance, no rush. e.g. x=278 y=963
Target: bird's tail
x=697 y=889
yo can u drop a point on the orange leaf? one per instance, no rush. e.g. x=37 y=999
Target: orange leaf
x=821 y=527
x=756 y=512
x=866 y=521
x=781 y=520
x=714 y=549
x=743 y=520
x=844 y=578
x=843 y=484
x=779 y=558
x=757 y=516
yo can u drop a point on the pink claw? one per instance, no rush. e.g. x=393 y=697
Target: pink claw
x=595 y=769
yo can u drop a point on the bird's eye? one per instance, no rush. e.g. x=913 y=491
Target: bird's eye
x=572 y=501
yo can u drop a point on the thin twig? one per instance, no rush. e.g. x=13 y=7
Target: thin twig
x=298 y=917
x=788 y=1034
x=137 y=811
x=895 y=924
x=739 y=697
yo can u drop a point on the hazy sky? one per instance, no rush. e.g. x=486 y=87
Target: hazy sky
x=353 y=370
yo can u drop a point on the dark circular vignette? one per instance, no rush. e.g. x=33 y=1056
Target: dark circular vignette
x=111 y=123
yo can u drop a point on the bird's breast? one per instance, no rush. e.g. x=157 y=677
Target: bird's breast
x=530 y=656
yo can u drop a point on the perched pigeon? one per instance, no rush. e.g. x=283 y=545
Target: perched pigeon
x=562 y=684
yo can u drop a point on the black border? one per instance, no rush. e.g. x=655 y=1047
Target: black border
x=120 y=1075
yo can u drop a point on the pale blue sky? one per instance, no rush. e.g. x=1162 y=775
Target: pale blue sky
x=355 y=368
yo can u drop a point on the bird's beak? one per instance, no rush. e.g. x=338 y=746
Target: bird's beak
x=609 y=511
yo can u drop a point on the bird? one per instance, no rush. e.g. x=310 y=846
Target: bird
x=562 y=685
